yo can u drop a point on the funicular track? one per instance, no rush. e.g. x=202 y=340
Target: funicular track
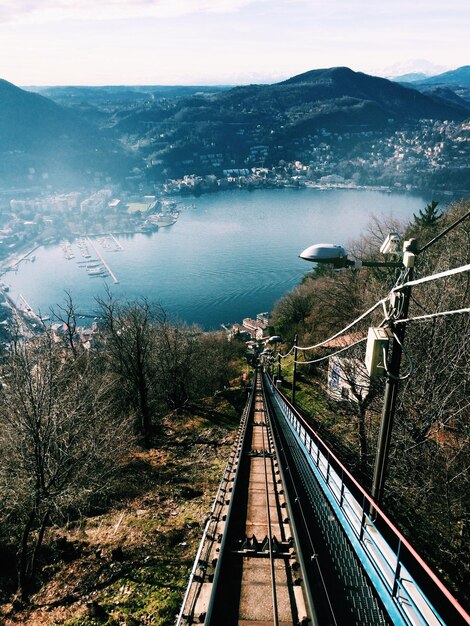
x=290 y=539
x=249 y=569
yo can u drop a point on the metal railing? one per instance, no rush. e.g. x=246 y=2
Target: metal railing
x=409 y=590
x=201 y=562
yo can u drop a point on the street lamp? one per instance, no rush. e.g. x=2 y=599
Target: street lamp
x=337 y=256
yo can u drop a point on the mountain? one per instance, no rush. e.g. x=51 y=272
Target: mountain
x=412 y=66
x=456 y=82
x=411 y=77
x=119 y=94
x=459 y=76
x=28 y=121
x=174 y=131
x=41 y=140
x=336 y=97
x=263 y=124
x=394 y=100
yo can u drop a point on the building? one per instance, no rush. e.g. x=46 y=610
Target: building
x=347 y=377
x=255 y=326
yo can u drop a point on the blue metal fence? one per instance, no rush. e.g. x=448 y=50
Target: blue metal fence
x=409 y=590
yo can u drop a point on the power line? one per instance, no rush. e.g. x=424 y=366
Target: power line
x=425 y=279
x=444 y=274
x=323 y=358
x=453 y=271
x=284 y=356
x=444 y=232
x=432 y=315
x=321 y=343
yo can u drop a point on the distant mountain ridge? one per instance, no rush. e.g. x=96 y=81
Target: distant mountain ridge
x=411 y=77
x=453 y=86
x=459 y=76
x=39 y=138
x=28 y=120
x=180 y=130
x=264 y=124
x=340 y=82
x=119 y=93
x=329 y=98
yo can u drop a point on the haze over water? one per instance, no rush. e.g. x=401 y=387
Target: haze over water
x=231 y=257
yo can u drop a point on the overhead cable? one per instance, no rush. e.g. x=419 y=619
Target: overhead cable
x=444 y=232
x=321 y=343
x=323 y=358
x=397 y=288
x=432 y=315
x=425 y=279
x=284 y=356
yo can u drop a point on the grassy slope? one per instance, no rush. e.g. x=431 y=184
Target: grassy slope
x=332 y=420
x=162 y=497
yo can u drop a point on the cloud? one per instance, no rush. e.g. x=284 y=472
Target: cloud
x=46 y=10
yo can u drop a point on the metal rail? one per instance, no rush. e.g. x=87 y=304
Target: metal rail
x=290 y=508
x=313 y=550
x=270 y=533
x=201 y=562
x=230 y=547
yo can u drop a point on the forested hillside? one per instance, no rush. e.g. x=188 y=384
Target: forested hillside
x=109 y=461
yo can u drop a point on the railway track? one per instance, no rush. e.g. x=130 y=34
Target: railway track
x=249 y=569
x=289 y=540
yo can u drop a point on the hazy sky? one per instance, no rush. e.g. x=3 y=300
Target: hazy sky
x=110 y=42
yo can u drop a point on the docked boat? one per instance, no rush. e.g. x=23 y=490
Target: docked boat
x=164 y=219
x=97 y=271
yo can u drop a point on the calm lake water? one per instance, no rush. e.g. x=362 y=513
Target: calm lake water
x=231 y=257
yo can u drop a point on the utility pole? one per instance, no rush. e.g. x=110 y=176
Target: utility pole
x=294 y=371
x=392 y=384
x=337 y=257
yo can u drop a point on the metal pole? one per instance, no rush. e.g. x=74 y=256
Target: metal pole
x=279 y=373
x=294 y=371
x=390 y=400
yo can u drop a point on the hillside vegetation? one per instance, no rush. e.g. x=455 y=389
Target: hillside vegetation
x=427 y=488
x=110 y=460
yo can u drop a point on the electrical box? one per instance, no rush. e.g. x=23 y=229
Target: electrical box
x=377 y=340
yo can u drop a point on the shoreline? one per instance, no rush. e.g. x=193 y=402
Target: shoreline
x=453 y=195
x=15 y=258
x=8 y=263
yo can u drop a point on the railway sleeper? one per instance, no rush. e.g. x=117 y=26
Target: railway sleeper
x=251 y=545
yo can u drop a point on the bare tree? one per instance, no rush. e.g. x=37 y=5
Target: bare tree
x=66 y=314
x=177 y=355
x=129 y=335
x=363 y=396
x=59 y=442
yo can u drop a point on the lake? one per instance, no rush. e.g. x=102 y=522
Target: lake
x=231 y=257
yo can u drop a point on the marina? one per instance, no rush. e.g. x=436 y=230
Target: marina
x=108 y=269
x=96 y=266
x=118 y=245
x=26 y=308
